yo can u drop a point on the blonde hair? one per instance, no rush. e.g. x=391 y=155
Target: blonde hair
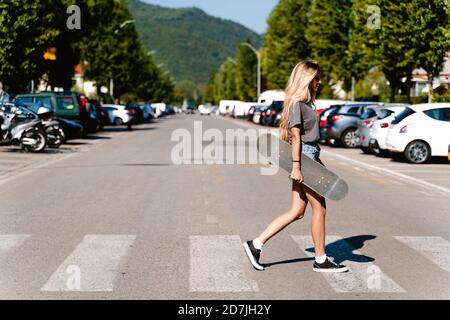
x=297 y=90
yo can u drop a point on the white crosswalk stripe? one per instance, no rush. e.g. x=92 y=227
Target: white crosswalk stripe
x=9 y=242
x=435 y=249
x=217 y=265
x=362 y=278
x=93 y=266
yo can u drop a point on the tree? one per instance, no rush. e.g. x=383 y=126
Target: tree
x=432 y=36
x=26 y=30
x=327 y=32
x=285 y=42
x=246 y=73
x=107 y=51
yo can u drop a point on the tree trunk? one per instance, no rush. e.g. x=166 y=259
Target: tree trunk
x=408 y=87
x=430 y=88
x=393 y=89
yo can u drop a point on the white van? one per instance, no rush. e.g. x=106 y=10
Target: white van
x=268 y=97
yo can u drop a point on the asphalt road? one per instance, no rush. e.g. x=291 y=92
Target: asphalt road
x=113 y=217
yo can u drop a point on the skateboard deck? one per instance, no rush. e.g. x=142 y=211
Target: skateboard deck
x=316 y=176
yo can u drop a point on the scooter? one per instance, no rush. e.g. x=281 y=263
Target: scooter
x=52 y=127
x=30 y=135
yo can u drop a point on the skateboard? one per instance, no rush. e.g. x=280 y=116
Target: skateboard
x=316 y=176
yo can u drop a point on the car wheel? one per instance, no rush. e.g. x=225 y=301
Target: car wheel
x=375 y=149
x=349 y=138
x=417 y=152
x=118 y=121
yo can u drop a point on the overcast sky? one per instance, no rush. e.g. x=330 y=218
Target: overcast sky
x=251 y=13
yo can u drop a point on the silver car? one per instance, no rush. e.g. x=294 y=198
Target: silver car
x=368 y=126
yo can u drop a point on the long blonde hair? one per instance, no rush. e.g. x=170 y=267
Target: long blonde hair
x=297 y=89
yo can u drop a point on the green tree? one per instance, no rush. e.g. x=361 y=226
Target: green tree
x=432 y=36
x=26 y=30
x=328 y=28
x=246 y=73
x=285 y=42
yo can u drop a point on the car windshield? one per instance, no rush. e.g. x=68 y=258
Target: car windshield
x=65 y=103
x=369 y=113
x=402 y=115
x=384 y=114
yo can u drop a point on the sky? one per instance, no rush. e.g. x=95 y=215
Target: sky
x=251 y=13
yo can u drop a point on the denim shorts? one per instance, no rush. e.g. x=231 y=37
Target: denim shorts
x=312 y=150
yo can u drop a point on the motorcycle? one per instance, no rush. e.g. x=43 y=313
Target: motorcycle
x=29 y=135
x=52 y=127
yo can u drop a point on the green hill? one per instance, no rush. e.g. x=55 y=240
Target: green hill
x=190 y=43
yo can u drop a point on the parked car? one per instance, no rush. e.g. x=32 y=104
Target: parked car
x=365 y=125
x=215 y=110
x=120 y=114
x=148 y=111
x=420 y=132
x=101 y=114
x=323 y=121
x=342 y=123
x=66 y=105
x=272 y=115
x=378 y=129
x=322 y=105
x=204 y=110
x=190 y=110
x=257 y=114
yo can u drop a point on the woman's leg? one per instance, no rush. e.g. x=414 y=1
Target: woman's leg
x=319 y=209
x=296 y=212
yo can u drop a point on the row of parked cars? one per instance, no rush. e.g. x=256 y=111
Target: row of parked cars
x=74 y=116
x=414 y=132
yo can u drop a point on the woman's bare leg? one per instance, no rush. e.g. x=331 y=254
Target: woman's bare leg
x=296 y=212
x=319 y=209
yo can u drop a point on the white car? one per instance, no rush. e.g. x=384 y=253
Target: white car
x=204 y=110
x=376 y=140
x=119 y=114
x=420 y=132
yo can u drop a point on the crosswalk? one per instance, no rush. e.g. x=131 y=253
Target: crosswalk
x=218 y=263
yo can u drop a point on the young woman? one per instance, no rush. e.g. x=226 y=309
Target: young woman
x=300 y=127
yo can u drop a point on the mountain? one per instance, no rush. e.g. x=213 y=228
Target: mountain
x=189 y=43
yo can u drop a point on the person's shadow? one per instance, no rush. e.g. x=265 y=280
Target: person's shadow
x=341 y=250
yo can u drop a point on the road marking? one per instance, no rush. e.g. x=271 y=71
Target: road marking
x=425 y=193
x=391 y=173
x=435 y=249
x=423 y=171
x=217 y=265
x=11 y=241
x=363 y=276
x=358 y=169
x=93 y=266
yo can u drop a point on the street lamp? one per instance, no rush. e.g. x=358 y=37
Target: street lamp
x=123 y=25
x=258 y=55
x=111 y=81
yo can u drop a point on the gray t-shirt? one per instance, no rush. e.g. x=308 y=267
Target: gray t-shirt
x=304 y=117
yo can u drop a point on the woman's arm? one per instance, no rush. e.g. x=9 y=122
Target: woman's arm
x=296 y=155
